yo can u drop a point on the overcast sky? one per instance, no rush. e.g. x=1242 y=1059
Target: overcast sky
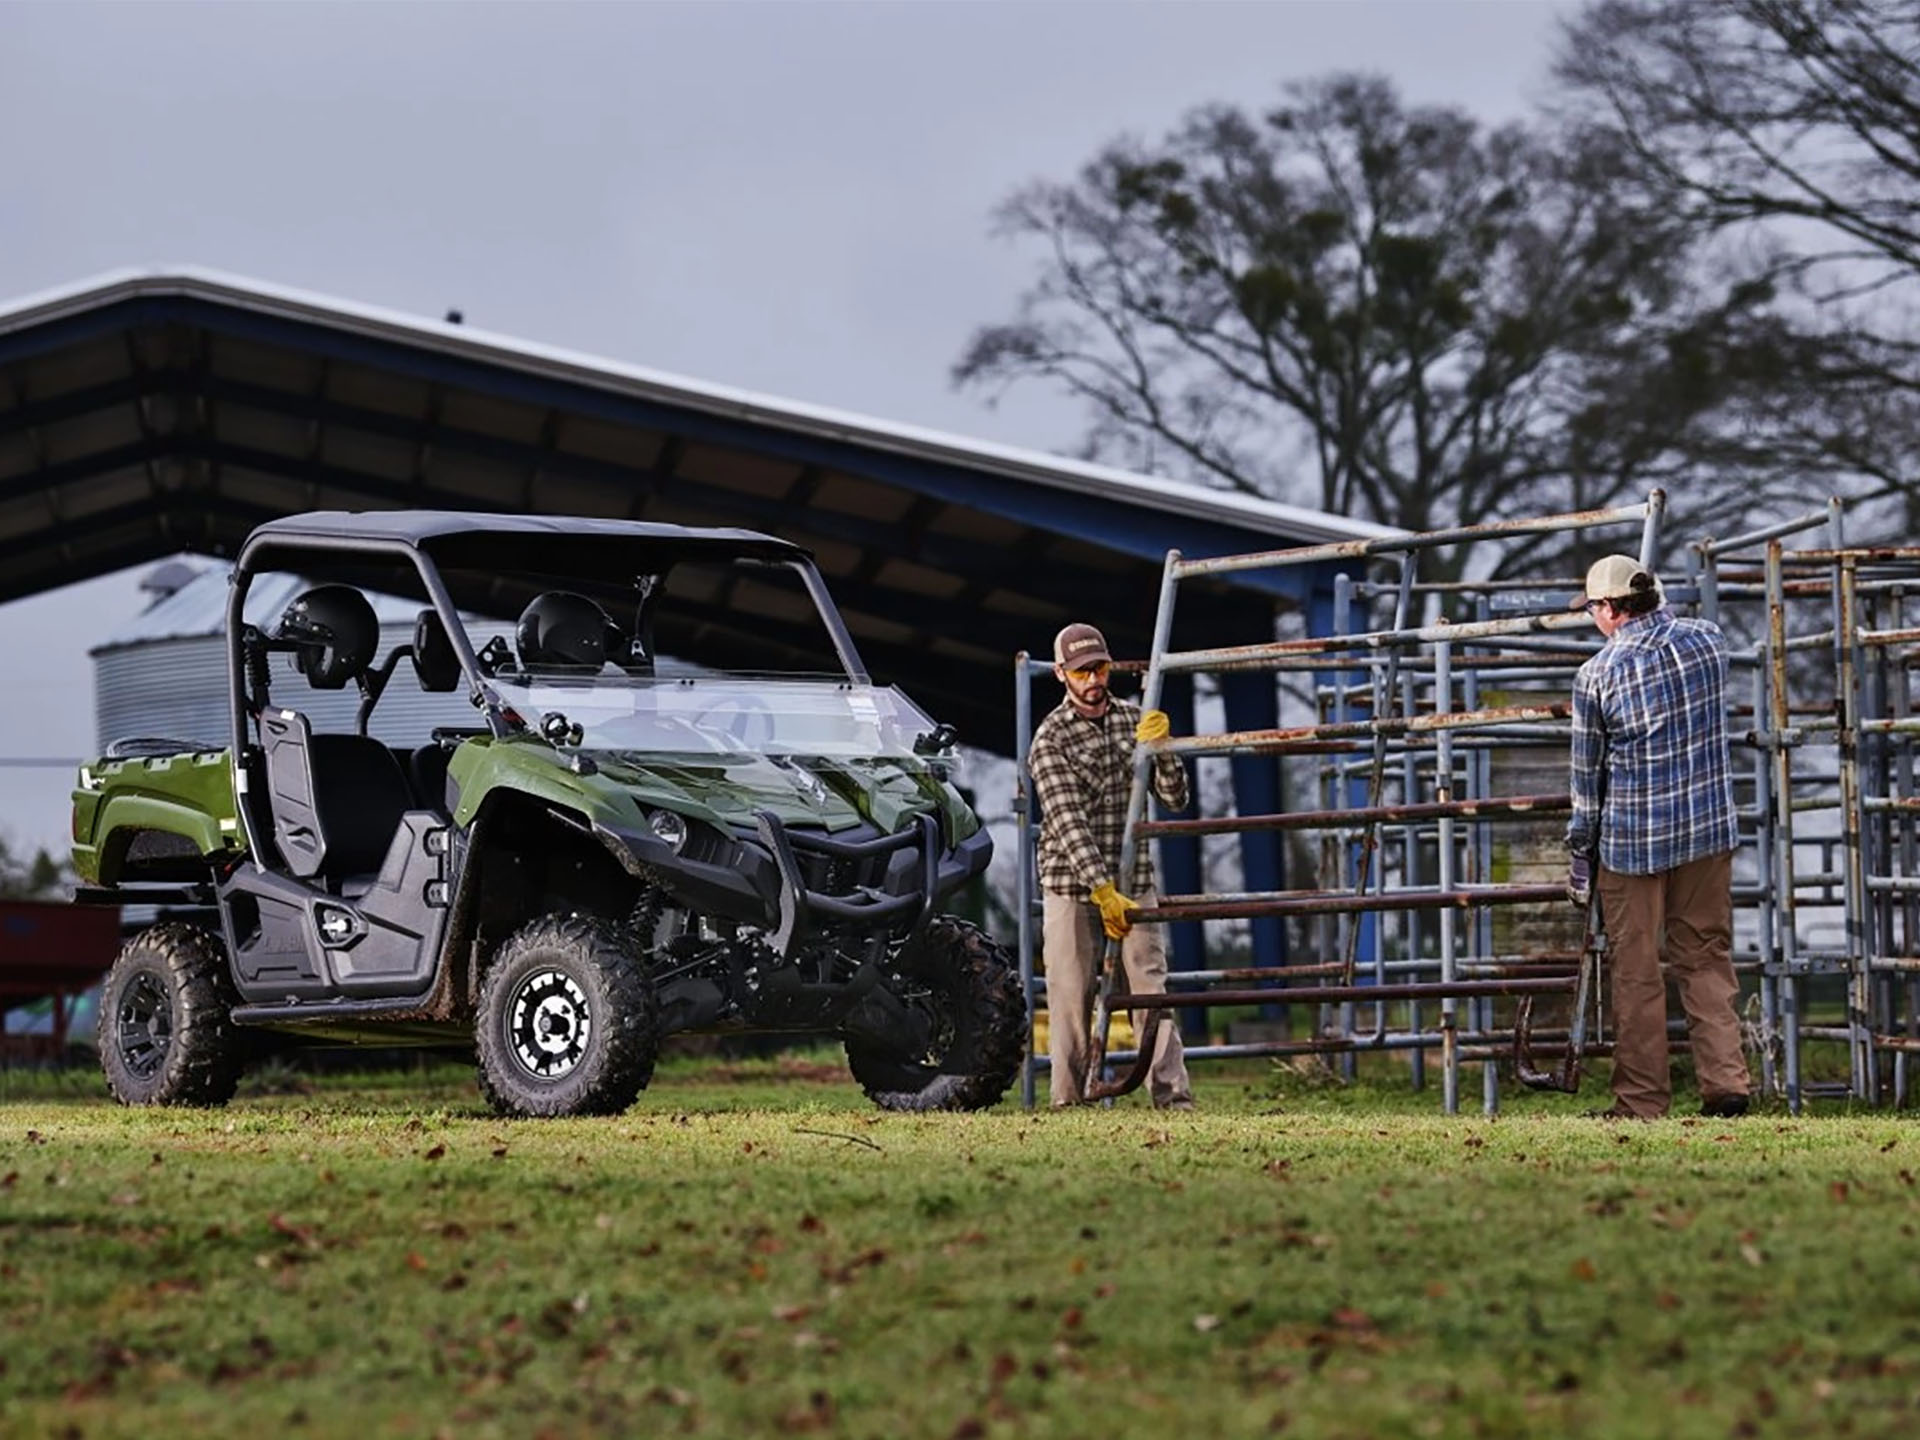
x=787 y=197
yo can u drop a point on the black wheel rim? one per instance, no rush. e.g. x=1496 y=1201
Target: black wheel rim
x=549 y=1024
x=937 y=1008
x=143 y=1026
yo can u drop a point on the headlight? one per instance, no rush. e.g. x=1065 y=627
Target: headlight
x=668 y=828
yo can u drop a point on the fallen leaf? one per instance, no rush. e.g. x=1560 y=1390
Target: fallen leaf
x=1749 y=1253
x=436 y=1152
x=1204 y=1323
x=1583 y=1269
x=1838 y=1190
x=301 y=1233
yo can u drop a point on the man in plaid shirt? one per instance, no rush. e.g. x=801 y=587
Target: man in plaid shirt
x=1081 y=761
x=1653 y=807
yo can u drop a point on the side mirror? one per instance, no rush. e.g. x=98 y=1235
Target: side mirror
x=940 y=738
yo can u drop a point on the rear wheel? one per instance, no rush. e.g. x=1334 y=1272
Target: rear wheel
x=966 y=991
x=166 y=1032
x=568 y=1023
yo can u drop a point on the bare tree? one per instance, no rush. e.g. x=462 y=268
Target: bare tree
x=1382 y=311
x=1791 y=130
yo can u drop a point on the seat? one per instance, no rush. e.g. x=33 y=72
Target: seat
x=360 y=794
x=336 y=800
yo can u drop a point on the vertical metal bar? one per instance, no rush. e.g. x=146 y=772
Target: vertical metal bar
x=1383 y=696
x=1143 y=756
x=1783 y=879
x=1479 y=765
x=1443 y=791
x=1768 y=917
x=1650 y=529
x=1410 y=792
x=1024 y=848
x=1864 y=1065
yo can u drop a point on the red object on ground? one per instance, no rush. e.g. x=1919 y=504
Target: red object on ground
x=50 y=949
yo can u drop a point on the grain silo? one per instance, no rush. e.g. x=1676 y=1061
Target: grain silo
x=164 y=672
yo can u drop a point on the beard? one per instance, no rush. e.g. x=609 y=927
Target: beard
x=1090 y=701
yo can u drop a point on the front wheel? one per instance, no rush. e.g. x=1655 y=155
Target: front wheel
x=568 y=1023
x=166 y=1032
x=965 y=989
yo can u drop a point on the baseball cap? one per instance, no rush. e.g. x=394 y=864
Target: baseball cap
x=1078 y=646
x=1615 y=577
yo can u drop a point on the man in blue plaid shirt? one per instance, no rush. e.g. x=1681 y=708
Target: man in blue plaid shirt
x=1653 y=821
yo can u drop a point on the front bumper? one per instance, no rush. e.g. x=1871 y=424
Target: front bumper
x=791 y=882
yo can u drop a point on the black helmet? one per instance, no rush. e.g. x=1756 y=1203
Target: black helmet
x=336 y=632
x=561 y=628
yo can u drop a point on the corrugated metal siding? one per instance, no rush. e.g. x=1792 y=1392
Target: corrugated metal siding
x=178 y=688
x=200 y=608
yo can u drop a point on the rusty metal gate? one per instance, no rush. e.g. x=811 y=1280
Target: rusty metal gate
x=1430 y=697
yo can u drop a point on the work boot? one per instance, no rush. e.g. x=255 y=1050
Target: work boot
x=1724 y=1107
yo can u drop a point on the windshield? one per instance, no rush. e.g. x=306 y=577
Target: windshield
x=720 y=714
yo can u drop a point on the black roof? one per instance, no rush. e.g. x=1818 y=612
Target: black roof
x=417 y=527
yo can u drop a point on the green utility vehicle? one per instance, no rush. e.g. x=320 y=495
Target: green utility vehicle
x=591 y=845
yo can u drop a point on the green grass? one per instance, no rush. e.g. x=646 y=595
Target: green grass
x=753 y=1251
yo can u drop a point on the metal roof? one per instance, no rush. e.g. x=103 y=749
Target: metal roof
x=152 y=412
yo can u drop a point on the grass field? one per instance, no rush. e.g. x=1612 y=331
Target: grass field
x=752 y=1250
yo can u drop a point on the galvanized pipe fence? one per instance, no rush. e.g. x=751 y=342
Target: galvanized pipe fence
x=1440 y=886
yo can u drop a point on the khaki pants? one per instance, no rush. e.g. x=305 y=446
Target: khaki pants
x=1687 y=913
x=1071 y=940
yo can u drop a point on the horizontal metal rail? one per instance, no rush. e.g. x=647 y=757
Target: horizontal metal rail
x=1402 y=544
x=1257 y=742
x=1361 y=994
x=1318 y=902
x=1516 y=807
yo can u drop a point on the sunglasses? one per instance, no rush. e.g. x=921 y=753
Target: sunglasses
x=1092 y=672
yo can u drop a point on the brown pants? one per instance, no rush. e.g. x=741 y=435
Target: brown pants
x=1071 y=937
x=1687 y=913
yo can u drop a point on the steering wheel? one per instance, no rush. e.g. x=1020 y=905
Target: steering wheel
x=738 y=717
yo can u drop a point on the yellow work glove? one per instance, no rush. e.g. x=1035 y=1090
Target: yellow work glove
x=1113 y=910
x=1154 y=725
